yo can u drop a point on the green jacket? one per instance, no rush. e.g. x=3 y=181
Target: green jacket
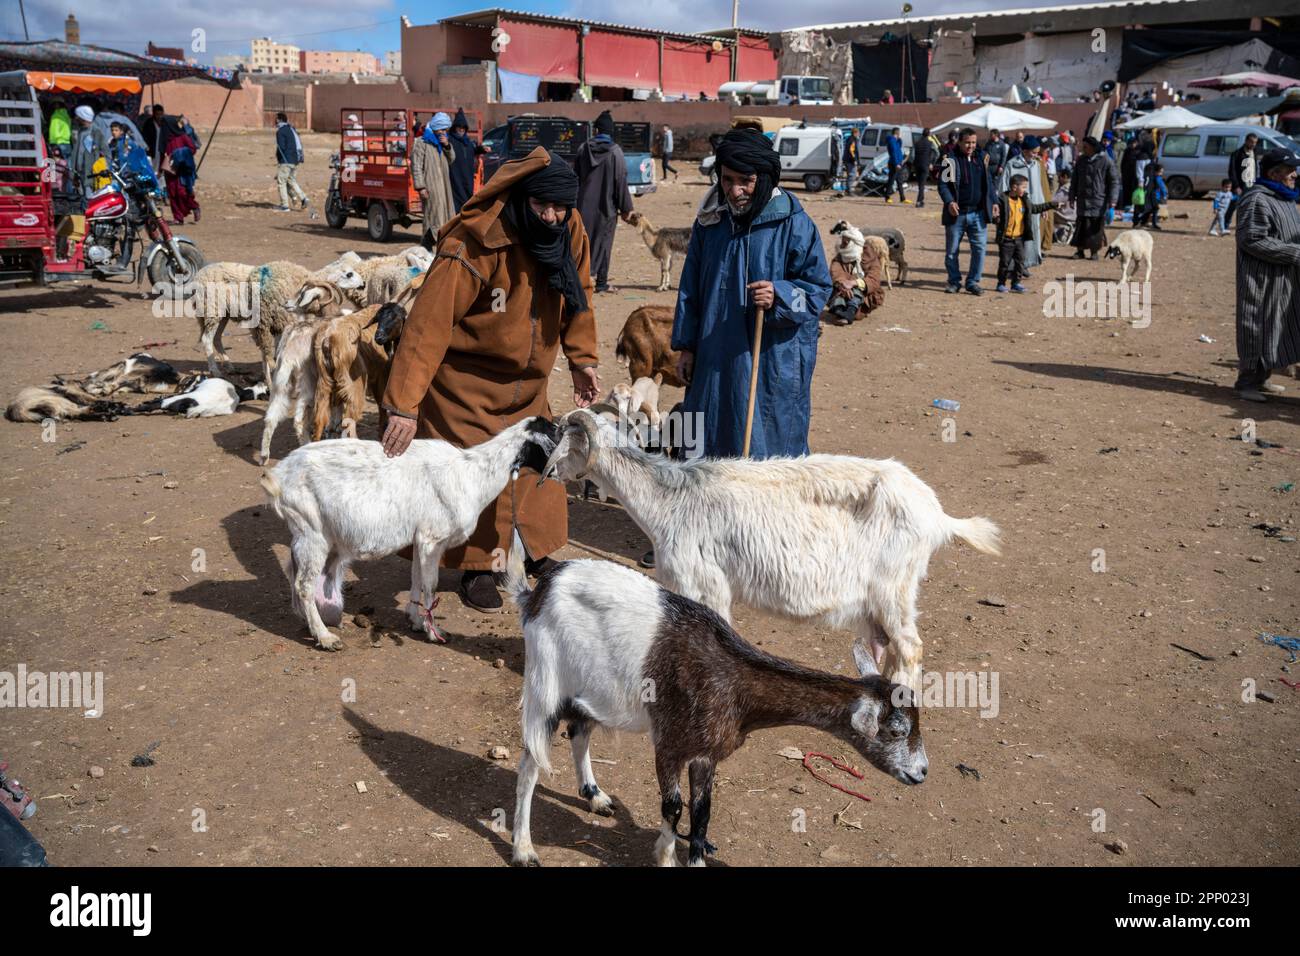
x=60 y=128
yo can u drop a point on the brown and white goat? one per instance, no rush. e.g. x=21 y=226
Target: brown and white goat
x=645 y=345
x=662 y=243
x=606 y=646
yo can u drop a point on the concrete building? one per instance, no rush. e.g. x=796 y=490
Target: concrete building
x=338 y=61
x=271 y=57
x=393 y=61
x=510 y=56
x=1068 y=50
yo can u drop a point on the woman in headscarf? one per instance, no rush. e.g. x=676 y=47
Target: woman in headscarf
x=181 y=172
x=510 y=286
x=431 y=160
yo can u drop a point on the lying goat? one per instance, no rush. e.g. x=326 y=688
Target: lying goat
x=140 y=372
x=828 y=537
x=62 y=404
x=347 y=501
x=597 y=635
x=203 y=397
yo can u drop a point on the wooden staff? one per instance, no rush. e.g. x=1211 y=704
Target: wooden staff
x=753 y=378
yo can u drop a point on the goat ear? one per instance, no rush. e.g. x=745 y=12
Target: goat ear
x=866 y=718
x=864 y=660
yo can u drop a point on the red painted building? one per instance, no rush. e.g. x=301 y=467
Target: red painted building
x=549 y=58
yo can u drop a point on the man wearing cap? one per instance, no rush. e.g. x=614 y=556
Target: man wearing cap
x=465 y=153
x=510 y=287
x=603 y=196
x=431 y=160
x=1268 y=275
x=752 y=247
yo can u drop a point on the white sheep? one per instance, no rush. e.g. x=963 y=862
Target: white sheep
x=345 y=500
x=827 y=537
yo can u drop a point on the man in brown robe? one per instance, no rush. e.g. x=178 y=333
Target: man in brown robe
x=510 y=286
x=431 y=158
x=855 y=275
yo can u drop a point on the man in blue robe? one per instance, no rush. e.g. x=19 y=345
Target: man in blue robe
x=752 y=246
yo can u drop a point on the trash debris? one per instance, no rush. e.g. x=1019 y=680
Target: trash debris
x=1291 y=644
x=1294 y=685
x=499 y=753
x=361 y=786
x=98 y=326
x=966 y=771
x=1119 y=847
x=947 y=404
x=838 y=766
x=75 y=446
x=1187 y=650
x=993 y=600
x=1205 y=338
x=1285 y=488
x=894 y=328
x=790 y=753
x=96 y=772
x=144 y=759
x=1108 y=451
x=840 y=818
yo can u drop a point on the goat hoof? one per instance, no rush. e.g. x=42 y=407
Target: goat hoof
x=602 y=804
x=331 y=644
x=526 y=858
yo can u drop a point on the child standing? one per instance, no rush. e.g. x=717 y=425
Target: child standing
x=1156 y=192
x=1222 y=200
x=1013 y=221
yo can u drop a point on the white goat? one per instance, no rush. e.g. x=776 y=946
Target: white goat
x=597 y=634
x=827 y=537
x=345 y=500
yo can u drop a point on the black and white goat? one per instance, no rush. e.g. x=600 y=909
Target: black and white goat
x=344 y=500
x=202 y=396
x=606 y=646
x=826 y=537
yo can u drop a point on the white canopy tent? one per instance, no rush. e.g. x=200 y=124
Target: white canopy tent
x=1167 y=117
x=990 y=116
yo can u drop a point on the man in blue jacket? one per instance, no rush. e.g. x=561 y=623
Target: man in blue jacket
x=752 y=246
x=288 y=157
x=897 y=166
x=969 y=205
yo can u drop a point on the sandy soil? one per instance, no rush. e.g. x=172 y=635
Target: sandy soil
x=1073 y=434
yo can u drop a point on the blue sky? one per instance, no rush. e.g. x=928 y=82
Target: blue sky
x=372 y=25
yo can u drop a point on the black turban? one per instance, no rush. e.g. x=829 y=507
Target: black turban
x=750 y=153
x=555 y=182
x=605 y=124
x=460 y=122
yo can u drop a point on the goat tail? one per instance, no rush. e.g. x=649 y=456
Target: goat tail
x=516 y=578
x=620 y=352
x=980 y=533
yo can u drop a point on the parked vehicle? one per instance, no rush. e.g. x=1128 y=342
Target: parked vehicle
x=811 y=154
x=566 y=137
x=371 y=172
x=804 y=91
x=769 y=126
x=871 y=139
x=1196 y=160
x=48 y=236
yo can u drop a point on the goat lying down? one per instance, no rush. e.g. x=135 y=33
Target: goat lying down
x=345 y=500
x=827 y=537
x=597 y=635
x=203 y=397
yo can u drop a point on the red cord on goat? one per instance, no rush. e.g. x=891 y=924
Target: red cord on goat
x=838 y=766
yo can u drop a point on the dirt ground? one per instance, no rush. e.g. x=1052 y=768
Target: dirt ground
x=1073 y=434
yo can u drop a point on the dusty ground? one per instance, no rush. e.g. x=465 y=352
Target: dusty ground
x=1073 y=434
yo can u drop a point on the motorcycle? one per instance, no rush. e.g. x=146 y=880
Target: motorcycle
x=120 y=216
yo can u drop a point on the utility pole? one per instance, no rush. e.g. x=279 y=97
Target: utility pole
x=28 y=36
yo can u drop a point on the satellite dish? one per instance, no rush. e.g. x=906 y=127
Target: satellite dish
x=717 y=46
x=1108 y=87
x=907 y=8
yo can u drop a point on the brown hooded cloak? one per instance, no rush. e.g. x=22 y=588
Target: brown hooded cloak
x=477 y=352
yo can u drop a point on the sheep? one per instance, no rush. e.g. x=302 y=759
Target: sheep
x=1133 y=248
x=345 y=500
x=644 y=345
x=606 y=646
x=881 y=249
x=61 y=404
x=828 y=537
x=384 y=276
x=259 y=299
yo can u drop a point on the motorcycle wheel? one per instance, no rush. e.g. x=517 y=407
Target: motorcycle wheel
x=166 y=277
x=336 y=215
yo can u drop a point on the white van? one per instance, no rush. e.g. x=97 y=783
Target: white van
x=810 y=153
x=871 y=140
x=1196 y=160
